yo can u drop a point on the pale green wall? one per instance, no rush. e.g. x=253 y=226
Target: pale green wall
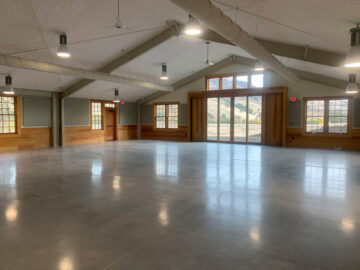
x=36 y=111
x=128 y=113
x=77 y=111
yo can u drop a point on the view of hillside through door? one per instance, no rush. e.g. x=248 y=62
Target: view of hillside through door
x=235 y=119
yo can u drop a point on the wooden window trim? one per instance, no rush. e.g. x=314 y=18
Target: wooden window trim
x=166 y=116
x=326 y=117
x=102 y=114
x=16 y=115
x=234 y=75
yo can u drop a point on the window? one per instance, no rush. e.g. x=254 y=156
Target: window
x=7 y=115
x=96 y=115
x=338 y=116
x=257 y=80
x=315 y=114
x=109 y=105
x=237 y=81
x=327 y=115
x=214 y=84
x=242 y=81
x=173 y=116
x=166 y=115
x=227 y=83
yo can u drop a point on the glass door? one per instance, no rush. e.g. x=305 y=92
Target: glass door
x=224 y=119
x=246 y=126
x=254 y=119
x=240 y=119
x=212 y=119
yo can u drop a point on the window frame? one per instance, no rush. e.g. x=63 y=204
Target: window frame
x=102 y=106
x=166 y=116
x=106 y=105
x=325 y=132
x=234 y=75
x=16 y=112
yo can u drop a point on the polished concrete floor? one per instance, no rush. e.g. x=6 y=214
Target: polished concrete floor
x=164 y=205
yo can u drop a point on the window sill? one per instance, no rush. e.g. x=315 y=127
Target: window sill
x=327 y=135
x=9 y=135
x=166 y=129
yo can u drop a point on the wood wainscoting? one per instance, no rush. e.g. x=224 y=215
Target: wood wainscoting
x=149 y=133
x=296 y=138
x=84 y=134
x=127 y=132
x=27 y=138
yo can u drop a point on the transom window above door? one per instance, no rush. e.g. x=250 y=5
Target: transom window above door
x=234 y=81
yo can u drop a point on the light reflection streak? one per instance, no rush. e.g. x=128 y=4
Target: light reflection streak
x=163 y=215
x=11 y=212
x=96 y=171
x=166 y=161
x=254 y=234
x=233 y=184
x=8 y=175
x=117 y=183
x=347 y=225
x=66 y=264
x=325 y=181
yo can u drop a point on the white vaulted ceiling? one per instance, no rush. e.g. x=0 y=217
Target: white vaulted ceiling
x=31 y=28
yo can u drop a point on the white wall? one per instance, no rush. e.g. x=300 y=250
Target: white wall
x=302 y=89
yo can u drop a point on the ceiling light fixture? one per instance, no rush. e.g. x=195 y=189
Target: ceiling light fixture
x=116 y=96
x=352 y=59
x=352 y=87
x=9 y=90
x=164 y=76
x=259 y=66
x=193 y=27
x=63 y=50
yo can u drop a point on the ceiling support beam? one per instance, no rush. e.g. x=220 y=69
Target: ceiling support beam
x=192 y=78
x=29 y=92
x=24 y=63
x=304 y=75
x=304 y=53
x=171 y=31
x=322 y=79
x=216 y=20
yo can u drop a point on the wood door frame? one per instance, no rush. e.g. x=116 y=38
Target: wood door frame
x=116 y=124
x=245 y=92
x=103 y=120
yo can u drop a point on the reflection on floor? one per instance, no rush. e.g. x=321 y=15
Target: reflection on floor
x=166 y=205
